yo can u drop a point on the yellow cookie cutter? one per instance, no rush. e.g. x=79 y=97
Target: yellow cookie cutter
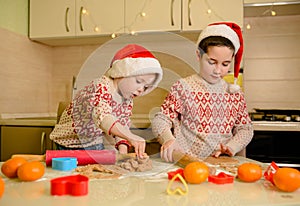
x=178 y=190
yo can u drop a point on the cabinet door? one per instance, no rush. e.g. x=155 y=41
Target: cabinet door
x=51 y=18
x=197 y=14
x=159 y=15
x=99 y=17
x=24 y=140
x=71 y=18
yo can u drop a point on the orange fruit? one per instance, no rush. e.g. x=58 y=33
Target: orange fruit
x=9 y=167
x=2 y=186
x=31 y=171
x=196 y=172
x=287 y=179
x=249 y=172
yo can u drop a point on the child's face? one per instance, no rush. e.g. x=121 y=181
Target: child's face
x=214 y=64
x=134 y=86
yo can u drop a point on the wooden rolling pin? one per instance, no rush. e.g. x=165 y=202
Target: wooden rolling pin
x=182 y=159
x=84 y=157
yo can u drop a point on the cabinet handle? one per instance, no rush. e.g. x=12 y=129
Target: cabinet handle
x=66 y=19
x=43 y=142
x=189 y=12
x=80 y=19
x=172 y=12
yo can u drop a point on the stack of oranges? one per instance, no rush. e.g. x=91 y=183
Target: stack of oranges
x=23 y=169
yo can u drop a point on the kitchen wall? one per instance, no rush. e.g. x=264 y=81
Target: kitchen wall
x=35 y=77
x=272 y=62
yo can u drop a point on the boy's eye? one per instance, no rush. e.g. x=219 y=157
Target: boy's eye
x=211 y=62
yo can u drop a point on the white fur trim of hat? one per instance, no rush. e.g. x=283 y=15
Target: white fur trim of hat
x=135 y=60
x=221 y=30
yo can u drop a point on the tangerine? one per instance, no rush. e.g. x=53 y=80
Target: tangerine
x=9 y=167
x=2 y=187
x=249 y=172
x=31 y=171
x=287 y=179
x=196 y=172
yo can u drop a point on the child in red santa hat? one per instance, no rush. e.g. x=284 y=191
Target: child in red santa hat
x=203 y=115
x=105 y=105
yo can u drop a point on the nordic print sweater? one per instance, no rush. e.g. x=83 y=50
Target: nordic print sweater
x=201 y=116
x=91 y=114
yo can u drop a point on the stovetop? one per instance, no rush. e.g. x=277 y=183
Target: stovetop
x=276 y=115
x=276 y=119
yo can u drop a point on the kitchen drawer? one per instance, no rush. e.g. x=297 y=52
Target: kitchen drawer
x=25 y=140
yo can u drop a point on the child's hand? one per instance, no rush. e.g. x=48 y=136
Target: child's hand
x=166 y=150
x=223 y=150
x=139 y=145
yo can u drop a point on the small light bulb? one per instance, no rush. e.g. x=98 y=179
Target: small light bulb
x=113 y=35
x=143 y=14
x=248 y=26
x=209 y=11
x=84 y=11
x=96 y=29
x=273 y=13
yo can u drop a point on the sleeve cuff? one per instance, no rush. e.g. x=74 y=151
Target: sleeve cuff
x=234 y=146
x=165 y=136
x=107 y=123
x=125 y=142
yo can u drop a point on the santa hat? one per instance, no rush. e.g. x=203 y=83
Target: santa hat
x=134 y=60
x=232 y=32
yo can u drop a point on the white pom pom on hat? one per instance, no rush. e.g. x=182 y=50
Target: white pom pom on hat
x=134 y=60
x=232 y=32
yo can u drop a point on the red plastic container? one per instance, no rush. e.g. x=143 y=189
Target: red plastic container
x=75 y=185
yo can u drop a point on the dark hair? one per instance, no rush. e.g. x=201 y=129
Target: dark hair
x=214 y=41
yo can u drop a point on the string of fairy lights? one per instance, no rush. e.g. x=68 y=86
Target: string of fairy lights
x=270 y=11
x=147 y=4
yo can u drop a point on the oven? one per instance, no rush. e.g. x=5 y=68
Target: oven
x=276 y=137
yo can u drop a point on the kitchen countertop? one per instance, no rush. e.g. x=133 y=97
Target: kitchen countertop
x=146 y=189
x=34 y=121
x=275 y=126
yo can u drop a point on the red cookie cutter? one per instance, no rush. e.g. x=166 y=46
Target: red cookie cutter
x=173 y=173
x=269 y=173
x=75 y=185
x=221 y=178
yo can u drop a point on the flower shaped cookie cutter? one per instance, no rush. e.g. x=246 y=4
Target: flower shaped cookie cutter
x=75 y=185
x=221 y=178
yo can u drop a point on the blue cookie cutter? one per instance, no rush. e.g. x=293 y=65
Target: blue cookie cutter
x=64 y=163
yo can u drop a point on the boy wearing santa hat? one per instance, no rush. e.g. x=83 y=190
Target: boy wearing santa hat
x=203 y=115
x=105 y=105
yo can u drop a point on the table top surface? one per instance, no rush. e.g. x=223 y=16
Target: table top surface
x=145 y=188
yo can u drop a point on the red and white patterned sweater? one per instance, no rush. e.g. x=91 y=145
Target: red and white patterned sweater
x=93 y=111
x=202 y=116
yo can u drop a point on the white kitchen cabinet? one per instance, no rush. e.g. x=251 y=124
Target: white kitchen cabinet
x=152 y=15
x=197 y=14
x=71 y=18
x=24 y=140
x=54 y=19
